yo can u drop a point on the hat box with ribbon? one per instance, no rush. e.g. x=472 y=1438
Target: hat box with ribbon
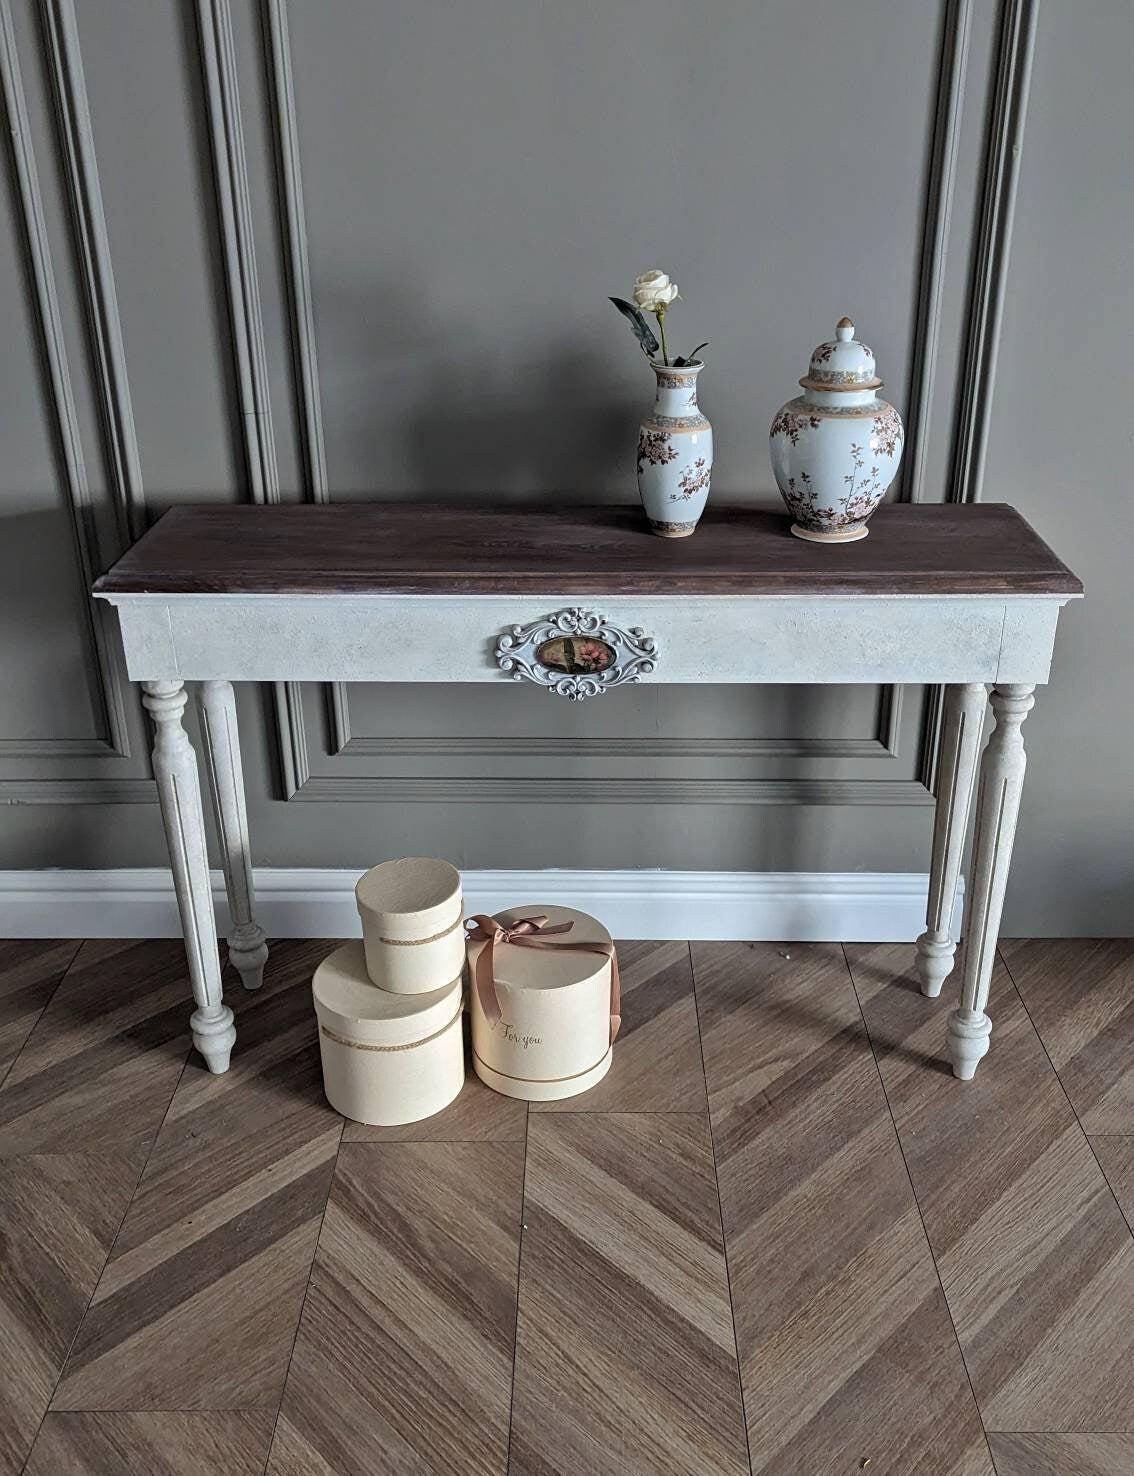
x=544 y=1001
x=411 y=913
x=387 y=1058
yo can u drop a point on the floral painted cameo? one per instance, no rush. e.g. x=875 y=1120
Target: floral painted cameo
x=576 y=655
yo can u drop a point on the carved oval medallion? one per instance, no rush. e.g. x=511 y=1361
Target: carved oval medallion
x=576 y=655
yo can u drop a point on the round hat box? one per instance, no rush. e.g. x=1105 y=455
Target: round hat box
x=411 y=924
x=387 y=1058
x=553 y=1036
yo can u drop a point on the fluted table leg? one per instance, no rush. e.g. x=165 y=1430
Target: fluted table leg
x=179 y=790
x=247 y=950
x=960 y=745
x=998 y=805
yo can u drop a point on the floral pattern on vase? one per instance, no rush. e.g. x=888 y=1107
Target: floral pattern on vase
x=835 y=450
x=675 y=454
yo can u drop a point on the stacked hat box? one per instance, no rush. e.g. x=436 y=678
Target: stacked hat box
x=387 y=1058
x=389 y=1007
x=544 y=1002
x=543 y=989
x=411 y=915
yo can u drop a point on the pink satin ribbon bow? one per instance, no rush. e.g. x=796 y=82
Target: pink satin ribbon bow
x=531 y=932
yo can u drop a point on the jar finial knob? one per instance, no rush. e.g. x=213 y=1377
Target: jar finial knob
x=844 y=329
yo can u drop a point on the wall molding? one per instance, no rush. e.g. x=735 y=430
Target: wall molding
x=106 y=687
x=884 y=743
x=944 y=144
x=478 y=789
x=104 y=321
x=293 y=223
x=299 y=784
x=238 y=249
x=859 y=907
x=1001 y=174
x=78 y=792
x=225 y=118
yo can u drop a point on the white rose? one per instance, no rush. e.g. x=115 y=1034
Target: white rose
x=653 y=289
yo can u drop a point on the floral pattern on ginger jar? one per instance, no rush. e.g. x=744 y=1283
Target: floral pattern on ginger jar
x=675 y=453
x=837 y=447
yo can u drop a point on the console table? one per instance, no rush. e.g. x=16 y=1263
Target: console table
x=579 y=601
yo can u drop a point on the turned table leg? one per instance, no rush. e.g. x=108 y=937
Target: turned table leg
x=179 y=790
x=247 y=951
x=960 y=744
x=998 y=804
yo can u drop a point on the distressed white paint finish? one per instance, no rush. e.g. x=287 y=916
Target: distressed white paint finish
x=998 y=805
x=179 y=791
x=247 y=950
x=959 y=640
x=407 y=638
x=960 y=745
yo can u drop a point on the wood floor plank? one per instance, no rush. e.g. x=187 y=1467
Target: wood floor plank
x=1116 y=1159
x=1063 y=1455
x=625 y=1357
x=99 y=1068
x=30 y=970
x=1035 y=1257
x=1080 y=995
x=847 y=1353
x=403 y=1363
x=478 y=1115
x=657 y=1057
x=59 y=1213
x=153 y=1443
x=198 y=1305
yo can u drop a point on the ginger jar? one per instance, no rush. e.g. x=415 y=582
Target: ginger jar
x=836 y=448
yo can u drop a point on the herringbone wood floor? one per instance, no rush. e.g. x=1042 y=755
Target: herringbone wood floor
x=779 y=1237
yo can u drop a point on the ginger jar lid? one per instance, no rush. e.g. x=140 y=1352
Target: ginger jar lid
x=842 y=364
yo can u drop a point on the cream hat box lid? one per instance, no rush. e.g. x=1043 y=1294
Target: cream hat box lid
x=346 y=1001
x=553 y=1037
x=387 y=1058
x=411 y=912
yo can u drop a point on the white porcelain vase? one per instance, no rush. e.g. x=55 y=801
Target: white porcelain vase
x=836 y=448
x=675 y=454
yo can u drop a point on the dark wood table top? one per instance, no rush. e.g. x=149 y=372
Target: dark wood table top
x=428 y=548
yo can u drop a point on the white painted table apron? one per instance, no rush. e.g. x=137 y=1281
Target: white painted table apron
x=968 y=642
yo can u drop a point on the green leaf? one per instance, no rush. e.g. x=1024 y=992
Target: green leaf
x=692 y=359
x=641 y=328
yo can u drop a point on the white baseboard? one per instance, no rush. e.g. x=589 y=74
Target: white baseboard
x=846 y=907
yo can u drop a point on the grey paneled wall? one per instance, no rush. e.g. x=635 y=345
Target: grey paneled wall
x=285 y=249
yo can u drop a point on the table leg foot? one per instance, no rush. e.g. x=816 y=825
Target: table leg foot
x=248 y=953
x=968 y=1039
x=214 y=1035
x=935 y=952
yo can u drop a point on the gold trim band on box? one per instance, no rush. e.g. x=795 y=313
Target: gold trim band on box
x=417 y=942
x=410 y=1045
x=541 y=1080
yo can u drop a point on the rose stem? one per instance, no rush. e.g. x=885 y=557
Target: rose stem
x=659 y=313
